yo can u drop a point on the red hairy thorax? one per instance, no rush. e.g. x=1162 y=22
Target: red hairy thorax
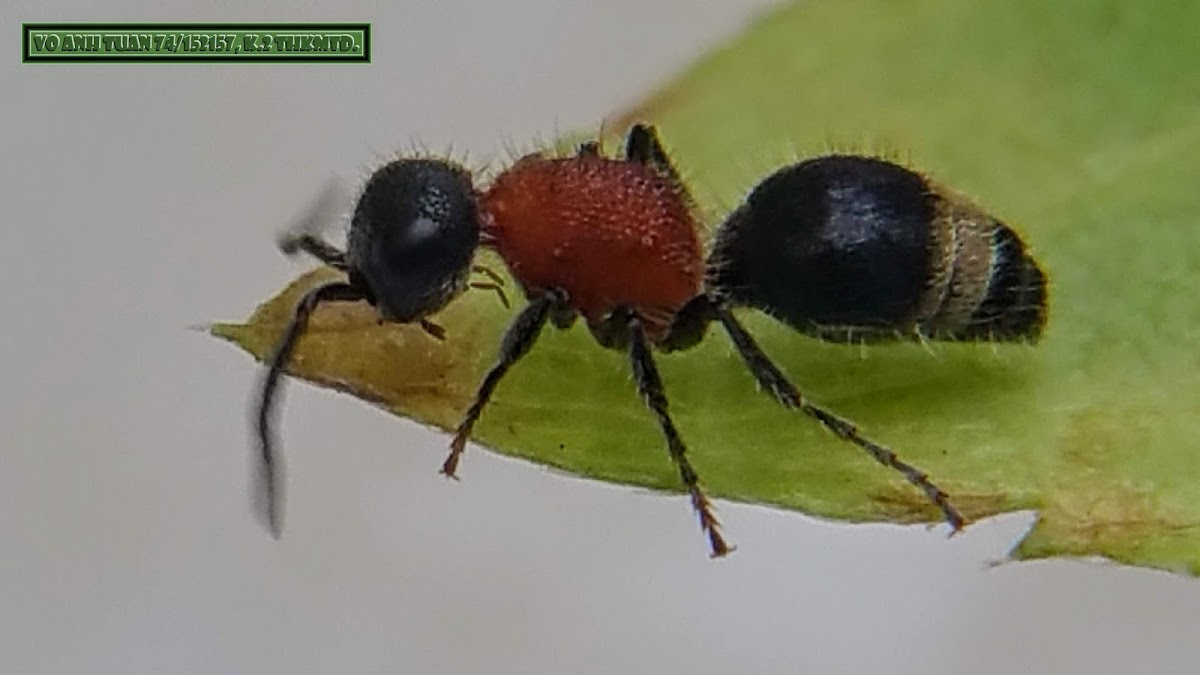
x=608 y=232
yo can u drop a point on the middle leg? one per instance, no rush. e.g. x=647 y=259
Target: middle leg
x=650 y=386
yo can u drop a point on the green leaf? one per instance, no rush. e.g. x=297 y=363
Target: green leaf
x=1075 y=121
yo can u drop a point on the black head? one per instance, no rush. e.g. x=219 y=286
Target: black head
x=412 y=240
x=413 y=236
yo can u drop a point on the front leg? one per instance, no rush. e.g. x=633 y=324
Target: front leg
x=291 y=244
x=516 y=343
x=302 y=235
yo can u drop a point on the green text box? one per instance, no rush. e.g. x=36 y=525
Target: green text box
x=321 y=42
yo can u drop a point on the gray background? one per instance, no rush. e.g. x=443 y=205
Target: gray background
x=138 y=200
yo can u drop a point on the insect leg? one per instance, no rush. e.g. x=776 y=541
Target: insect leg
x=315 y=246
x=492 y=286
x=650 y=387
x=518 y=339
x=268 y=490
x=642 y=145
x=303 y=234
x=588 y=149
x=774 y=381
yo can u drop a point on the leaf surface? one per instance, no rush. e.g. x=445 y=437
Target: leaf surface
x=1077 y=122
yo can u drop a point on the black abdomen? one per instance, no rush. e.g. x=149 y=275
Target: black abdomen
x=850 y=248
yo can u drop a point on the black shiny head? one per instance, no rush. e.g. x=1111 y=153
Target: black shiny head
x=850 y=248
x=413 y=236
x=412 y=240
